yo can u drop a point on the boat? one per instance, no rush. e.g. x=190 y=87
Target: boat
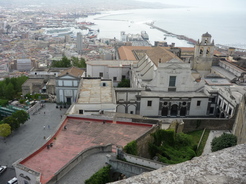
x=86 y=23
x=144 y=35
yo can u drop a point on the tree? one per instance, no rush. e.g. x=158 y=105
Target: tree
x=12 y=122
x=9 y=91
x=223 y=141
x=5 y=130
x=124 y=83
x=20 y=116
x=80 y=63
x=63 y=63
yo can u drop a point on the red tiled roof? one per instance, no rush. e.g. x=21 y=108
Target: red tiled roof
x=80 y=135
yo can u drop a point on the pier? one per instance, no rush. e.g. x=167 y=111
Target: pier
x=180 y=37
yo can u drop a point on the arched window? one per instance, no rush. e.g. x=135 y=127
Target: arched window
x=201 y=51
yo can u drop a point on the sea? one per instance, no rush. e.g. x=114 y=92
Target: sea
x=226 y=27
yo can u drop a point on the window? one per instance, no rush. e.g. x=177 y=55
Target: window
x=230 y=111
x=198 y=103
x=101 y=74
x=212 y=100
x=81 y=112
x=103 y=84
x=149 y=104
x=211 y=110
x=123 y=77
x=172 y=81
x=131 y=112
x=115 y=78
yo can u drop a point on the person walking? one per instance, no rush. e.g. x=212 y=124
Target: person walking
x=44 y=127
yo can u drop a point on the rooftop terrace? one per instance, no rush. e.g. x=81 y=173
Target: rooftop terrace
x=80 y=135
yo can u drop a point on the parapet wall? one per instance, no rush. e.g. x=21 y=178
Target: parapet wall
x=239 y=128
x=126 y=168
x=144 y=140
x=211 y=124
x=143 y=161
x=76 y=160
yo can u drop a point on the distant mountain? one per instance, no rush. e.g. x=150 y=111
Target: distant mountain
x=97 y=4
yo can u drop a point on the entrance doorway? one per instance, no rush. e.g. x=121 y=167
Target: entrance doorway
x=69 y=100
x=174 y=110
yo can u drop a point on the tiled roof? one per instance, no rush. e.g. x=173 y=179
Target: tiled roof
x=74 y=71
x=126 y=52
x=160 y=54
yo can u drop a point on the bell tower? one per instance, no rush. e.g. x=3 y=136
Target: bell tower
x=203 y=55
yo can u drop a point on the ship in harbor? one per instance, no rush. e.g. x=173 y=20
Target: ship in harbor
x=56 y=32
x=144 y=35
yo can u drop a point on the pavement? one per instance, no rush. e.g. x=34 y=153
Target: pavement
x=212 y=134
x=28 y=137
x=85 y=169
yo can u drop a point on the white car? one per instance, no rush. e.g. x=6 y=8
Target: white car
x=13 y=181
x=2 y=168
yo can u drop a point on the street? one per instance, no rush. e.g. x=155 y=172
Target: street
x=28 y=137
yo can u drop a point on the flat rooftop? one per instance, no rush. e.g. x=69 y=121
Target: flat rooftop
x=80 y=135
x=95 y=91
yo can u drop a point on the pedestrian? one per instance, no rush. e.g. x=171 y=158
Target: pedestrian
x=61 y=116
x=44 y=112
x=48 y=126
x=44 y=127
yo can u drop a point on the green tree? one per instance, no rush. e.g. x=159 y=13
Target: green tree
x=80 y=63
x=100 y=177
x=9 y=91
x=63 y=63
x=171 y=147
x=131 y=148
x=21 y=116
x=223 y=141
x=12 y=122
x=124 y=83
x=5 y=130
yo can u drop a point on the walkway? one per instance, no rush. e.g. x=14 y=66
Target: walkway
x=212 y=134
x=29 y=136
x=85 y=169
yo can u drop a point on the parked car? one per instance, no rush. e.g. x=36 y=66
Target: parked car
x=2 y=168
x=13 y=181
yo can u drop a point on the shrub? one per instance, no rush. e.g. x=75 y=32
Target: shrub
x=171 y=148
x=100 y=177
x=223 y=141
x=131 y=148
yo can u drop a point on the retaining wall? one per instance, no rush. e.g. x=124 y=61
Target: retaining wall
x=76 y=160
x=126 y=168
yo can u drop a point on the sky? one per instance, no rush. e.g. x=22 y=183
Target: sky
x=215 y=4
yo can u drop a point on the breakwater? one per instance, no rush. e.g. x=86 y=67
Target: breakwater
x=170 y=34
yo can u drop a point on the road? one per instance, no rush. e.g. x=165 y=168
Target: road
x=28 y=137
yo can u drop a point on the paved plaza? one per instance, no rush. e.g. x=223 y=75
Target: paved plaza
x=29 y=137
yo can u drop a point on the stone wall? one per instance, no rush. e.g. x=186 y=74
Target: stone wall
x=126 y=168
x=225 y=166
x=211 y=124
x=143 y=142
x=76 y=160
x=239 y=128
x=143 y=161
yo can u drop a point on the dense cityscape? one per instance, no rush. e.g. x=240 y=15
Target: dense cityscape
x=80 y=108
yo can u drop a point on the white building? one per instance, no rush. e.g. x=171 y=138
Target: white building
x=79 y=43
x=67 y=84
x=95 y=96
x=110 y=69
x=23 y=65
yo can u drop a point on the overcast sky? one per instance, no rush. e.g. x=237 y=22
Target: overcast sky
x=215 y=4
